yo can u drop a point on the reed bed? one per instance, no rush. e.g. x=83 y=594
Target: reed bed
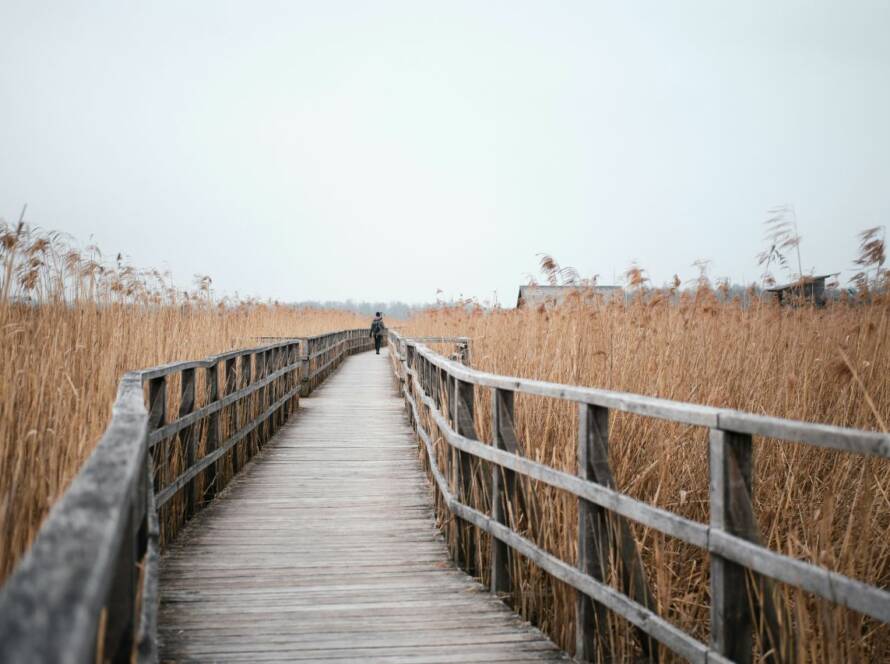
x=823 y=365
x=70 y=326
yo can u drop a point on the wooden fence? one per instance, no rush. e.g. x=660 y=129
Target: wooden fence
x=440 y=395
x=88 y=588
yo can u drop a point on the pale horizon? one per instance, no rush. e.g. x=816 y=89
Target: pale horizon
x=298 y=152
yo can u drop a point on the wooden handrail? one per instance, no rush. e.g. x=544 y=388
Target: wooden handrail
x=432 y=386
x=74 y=595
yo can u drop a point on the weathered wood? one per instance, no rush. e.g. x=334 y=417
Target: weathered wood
x=503 y=489
x=468 y=538
x=195 y=469
x=50 y=605
x=188 y=437
x=731 y=623
x=638 y=615
x=684 y=529
x=440 y=340
x=176 y=367
x=293 y=378
x=732 y=548
x=211 y=394
x=820 y=581
x=231 y=412
x=90 y=581
x=630 y=572
x=777 y=645
x=823 y=435
x=325 y=546
x=305 y=371
x=147 y=635
x=591 y=626
x=181 y=423
x=241 y=453
x=157 y=415
x=262 y=371
x=851 y=440
x=834 y=587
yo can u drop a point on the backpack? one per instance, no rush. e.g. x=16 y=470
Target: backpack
x=377 y=327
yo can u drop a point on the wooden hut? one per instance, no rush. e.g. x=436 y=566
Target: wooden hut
x=807 y=290
x=553 y=296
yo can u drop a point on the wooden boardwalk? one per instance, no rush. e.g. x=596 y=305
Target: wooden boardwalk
x=325 y=549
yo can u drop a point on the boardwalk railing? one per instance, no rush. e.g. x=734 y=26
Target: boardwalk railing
x=87 y=590
x=440 y=394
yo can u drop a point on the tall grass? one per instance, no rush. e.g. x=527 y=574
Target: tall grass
x=822 y=365
x=70 y=325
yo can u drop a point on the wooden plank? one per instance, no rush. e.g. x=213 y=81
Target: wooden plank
x=591 y=626
x=638 y=615
x=325 y=547
x=211 y=394
x=241 y=453
x=823 y=435
x=175 y=367
x=630 y=572
x=231 y=412
x=851 y=440
x=157 y=416
x=262 y=396
x=633 y=403
x=671 y=524
x=188 y=436
x=503 y=489
x=50 y=605
x=197 y=414
x=166 y=493
x=468 y=538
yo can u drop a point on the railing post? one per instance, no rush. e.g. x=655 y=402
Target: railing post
x=293 y=378
x=157 y=417
x=731 y=462
x=246 y=444
x=599 y=530
x=304 y=374
x=231 y=417
x=503 y=487
x=211 y=395
x=187 y=437
x=467 y=536
x=275 y=391
x=403 y=377
x=261 y=372
x=593 y=533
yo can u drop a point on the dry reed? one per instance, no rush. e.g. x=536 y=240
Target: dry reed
x=70 y=326
x=822 y=365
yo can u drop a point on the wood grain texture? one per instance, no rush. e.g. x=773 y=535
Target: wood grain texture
x=324 y=548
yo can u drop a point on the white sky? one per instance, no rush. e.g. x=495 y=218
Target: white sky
x=382 y=150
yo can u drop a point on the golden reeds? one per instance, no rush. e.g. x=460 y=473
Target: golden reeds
x=70 y=326
x=823 y=365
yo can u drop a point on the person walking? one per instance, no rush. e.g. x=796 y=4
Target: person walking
x=378 y=329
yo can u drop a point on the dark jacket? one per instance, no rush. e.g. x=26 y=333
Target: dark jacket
x=378 y=329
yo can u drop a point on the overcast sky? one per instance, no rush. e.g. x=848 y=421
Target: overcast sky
x=384 y=150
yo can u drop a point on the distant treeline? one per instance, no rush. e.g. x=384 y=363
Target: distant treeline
x=400 y=310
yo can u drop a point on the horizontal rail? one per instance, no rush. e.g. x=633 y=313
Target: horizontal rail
x=50 y=607
x=669 y=523
x=439 y=340
x=176 y=367
x=181 y=423
x=731 y=538
x=638 y=615
x=821 y=435
x=829 y=585
x=93 y=567
x=170 y=490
